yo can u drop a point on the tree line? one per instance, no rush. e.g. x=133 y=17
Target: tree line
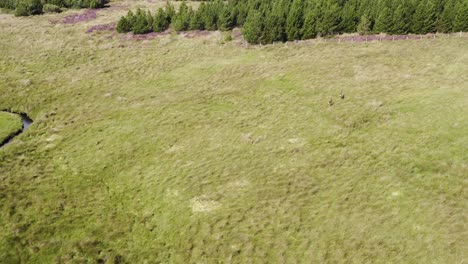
x=268 y=21
x=36 y=7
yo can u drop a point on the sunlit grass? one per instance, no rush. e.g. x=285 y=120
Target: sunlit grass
x=185 y=150
x=9 y=124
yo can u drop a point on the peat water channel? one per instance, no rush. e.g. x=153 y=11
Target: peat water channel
x=27 y=121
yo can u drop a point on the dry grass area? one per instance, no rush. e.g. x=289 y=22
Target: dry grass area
x=187 y=150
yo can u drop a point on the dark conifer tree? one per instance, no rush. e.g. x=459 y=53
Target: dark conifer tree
x=349 y=16
x=425 y=17
x=274 y=28
x=141 y=25
x=460 y=22
x=181 y=19
x=309 y=29
x=253 y=27
x=364 y=26
x=384 y=21
x=124 y=26
x=446 y=18
x=401 y=19
x=295 y=20
x=267 y=21
x=242 y=10
x=160 y=22
x=210 y=16
x=226 y=18
x=170 y=12
x=150 y=20
x=196 y=21
x=328 y=17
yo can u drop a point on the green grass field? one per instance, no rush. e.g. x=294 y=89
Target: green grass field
x=9 y=124
x=186 y=150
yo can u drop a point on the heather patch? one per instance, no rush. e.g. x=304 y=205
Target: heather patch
x=88 y=15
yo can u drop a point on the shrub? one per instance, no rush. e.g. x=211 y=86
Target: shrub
x=170 y=12
x=89 y=3
x=160 y=22
x=28 y=7
x=59 y=3
x=228 y=38
x=181 y=20
x=142 y=23
x=76 y=3
x=196 y=21
x=226 y=19
x=123 y=26
x=253 y=27
x=294 y=20
x=49 y=8
x=8 y=4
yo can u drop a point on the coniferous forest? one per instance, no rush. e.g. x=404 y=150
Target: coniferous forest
x=268 y=21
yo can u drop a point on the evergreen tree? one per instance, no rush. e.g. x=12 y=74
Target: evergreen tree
x=349 y=16
x=425 y=17
x=401 y=20
x=253 y=28
x=446 y=18
x=242 y=10
x=274 y=29
x=267 y=21
x=328 y=17
x=131 y=18
x=160 y=22
x=460 y=22
x=150 y=20
x=196 y=21
x=142 y=25
x=384 y=21
x=295 y=20
x=181 y=20
x=210 y=16
x=170 y=12
x=226 y=18
x=309 y=29
x=364 y=26
x=124 y=26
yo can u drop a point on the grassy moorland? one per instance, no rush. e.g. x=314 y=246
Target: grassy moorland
x=186 y=150
x=9 y=124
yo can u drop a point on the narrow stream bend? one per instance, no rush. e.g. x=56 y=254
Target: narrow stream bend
x=27 y=121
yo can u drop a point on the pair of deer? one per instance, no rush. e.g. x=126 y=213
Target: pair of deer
x=330 y=102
